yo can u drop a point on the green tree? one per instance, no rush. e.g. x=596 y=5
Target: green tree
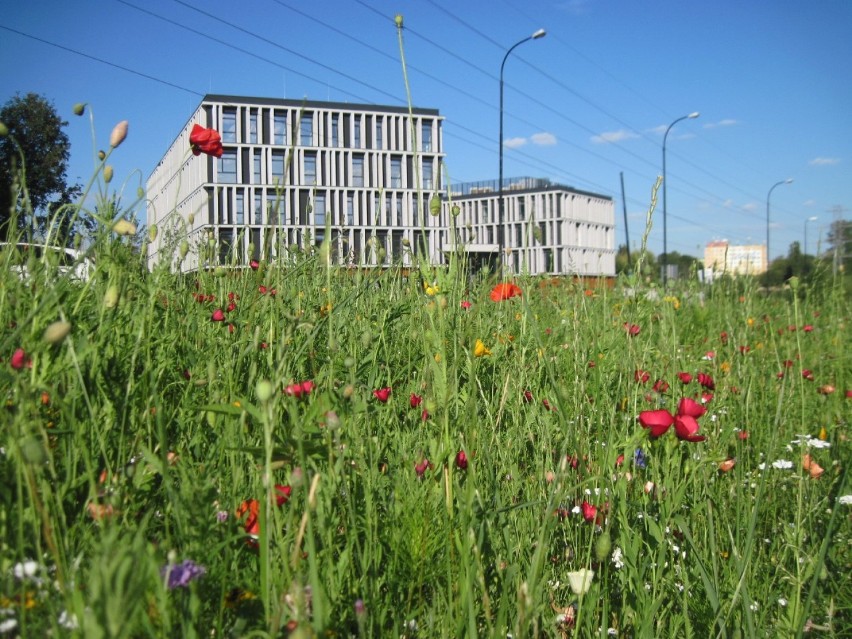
x=35 y=152
x=839 y=245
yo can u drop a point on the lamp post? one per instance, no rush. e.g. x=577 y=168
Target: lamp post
x=812 y=218
x=500 y=231
x=691 y=116
x=768 y=195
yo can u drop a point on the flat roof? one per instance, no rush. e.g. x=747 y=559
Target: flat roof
x=314 y=104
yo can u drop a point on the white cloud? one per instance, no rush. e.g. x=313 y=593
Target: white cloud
x=725 y=122
x=824 y=161
x=610 y=137
x=543 y=139
x=574 y=7
x=514 y=143
x=751 y=206
x=809 y=203
x=728 y=203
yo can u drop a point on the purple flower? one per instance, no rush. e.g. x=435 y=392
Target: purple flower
x=639 y=459
x=179 y=575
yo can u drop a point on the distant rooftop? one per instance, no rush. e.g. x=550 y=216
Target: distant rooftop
x=513 y=185
x=314 y=104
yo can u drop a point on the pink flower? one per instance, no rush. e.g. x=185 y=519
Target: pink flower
x=589 y=511
x=706 y=381
x=382 y=394
x=254 y=265
x=218 y=315
x=808 y=328
x=422 y=466
x=465 y=304
x=641 y=376
x=661 y=386
x=461 y=460
x=684 y=377
x=808 y=374
x=415 y=400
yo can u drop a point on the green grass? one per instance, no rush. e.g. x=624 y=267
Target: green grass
x=133 y=442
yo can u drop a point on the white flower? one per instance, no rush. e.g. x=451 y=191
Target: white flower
x=580 y=580
x=816 y=442
x=617 y=558
x=846 y=500
x=8 y=625
x=25 y=570
x=753 y=606
x=782 y=464
x=68 y=620
x=782 y=602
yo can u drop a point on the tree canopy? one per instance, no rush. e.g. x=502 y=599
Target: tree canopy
x=35 y=152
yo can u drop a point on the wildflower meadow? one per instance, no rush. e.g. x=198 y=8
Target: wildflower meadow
x=294 y=448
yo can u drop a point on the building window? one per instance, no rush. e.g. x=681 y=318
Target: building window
x=307 y=129
x=319 y=209
x=256 y=167
x=378 y=133
x=228 y=167
x=253 y=128
x=356 y=132
x=279 y=128
x=428 y=182
x=399 y=209
x=350 y=209
x=396 y=172
x=358 y=171
x=335 y=130
x=258 y=208
x=229 y=125
x=426 y=135
x=273 y=204
x=278 y=167
x=310 y=168
x=485 y=212
x=240 y=207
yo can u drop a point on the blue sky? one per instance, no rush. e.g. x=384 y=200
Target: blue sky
x=771 y=79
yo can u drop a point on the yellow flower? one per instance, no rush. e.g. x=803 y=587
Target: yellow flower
x=438 y=358
x=750 y=321
x=726 y=367
x=823 y=435
x=431 y=289
x=480 y=349
x=671 y=299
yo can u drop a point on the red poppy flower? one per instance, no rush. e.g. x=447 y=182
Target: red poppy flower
x=685 y=377
x=282 y=494
x=218 y=316
x=298 y=389
x=254 y=265
x=661 y=386
x=415 y=400
x=382 y=394
x=706 y=381
x=659 y=421
x=231 y=307
x=465 y=304
x=461 y=460
x=641 y=376
x=632 y=329
x=251 y=509
x=528 y=396
x=421 y=466
x=724 y=337
x=808 y=328
x=19 y=359
x=808 y=374
x=505 y=291
x=205 y=141
x=589 y=511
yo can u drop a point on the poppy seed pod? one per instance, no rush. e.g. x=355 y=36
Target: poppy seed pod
x=124 y=227
x=434 y=206
x=398 y=20
x=111 y=296
x=455 y=210
x=119 y=133
x=152 y=232
x=79 y=108
x=56 y=332
x=108 y=174
x=184 y=249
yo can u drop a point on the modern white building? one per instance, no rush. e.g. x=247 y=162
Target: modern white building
x=721 y=257
x=293 y=171
x=549 y=228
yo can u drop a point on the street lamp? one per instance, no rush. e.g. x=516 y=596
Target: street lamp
x=500 y=231
x=812 y=218
x=768 y=195
x=691 y=116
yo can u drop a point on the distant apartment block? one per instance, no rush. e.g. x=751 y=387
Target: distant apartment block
x=721 y=257
x=293 y=171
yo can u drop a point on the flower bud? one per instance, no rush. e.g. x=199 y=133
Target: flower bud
x=111 y=296
x=455 y=210
x=4 y=130
x=140 y=192
x=79 y=108
x=108 y=173
x=191 y=218
x=602 y=546
x=56 y=332
x=118 y=134
x=435 y=206
x=101 y=156
x=264 y=390
x=398 y=20
x=152 y=232
x=124 y=227
x=184 y=249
